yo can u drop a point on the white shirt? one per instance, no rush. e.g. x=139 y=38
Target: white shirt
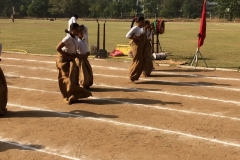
x=135 y=31
x=71 y=44
x=82 y=46
x=149 y=34
x=85 y=35
x=71 y=20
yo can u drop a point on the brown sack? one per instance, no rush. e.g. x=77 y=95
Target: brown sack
x=85 y=73
x=68 y=79
x=3 y=93
x=148 y=57
x=138 y=61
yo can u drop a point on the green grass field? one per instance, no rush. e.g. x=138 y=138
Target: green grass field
x=221 y=47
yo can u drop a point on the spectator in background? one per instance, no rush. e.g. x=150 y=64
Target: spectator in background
x=73 y=19
x=12 y=17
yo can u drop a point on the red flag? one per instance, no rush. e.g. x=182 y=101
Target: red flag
x=202 y=32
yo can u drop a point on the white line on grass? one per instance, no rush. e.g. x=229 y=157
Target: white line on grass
x=145 y=90
x=138 y=105
x=24 y=146
x=123 y=69
x=134 y=126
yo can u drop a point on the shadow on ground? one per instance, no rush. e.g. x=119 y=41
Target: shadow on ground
x=197 y=84
x=46 y=114
x=7 y=145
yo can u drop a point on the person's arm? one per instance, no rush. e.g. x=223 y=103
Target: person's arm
x=81 y=48
x=130 y=34
x=64 y=54
x=74 y=20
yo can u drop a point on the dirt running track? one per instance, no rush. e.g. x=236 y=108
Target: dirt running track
x=175 y=114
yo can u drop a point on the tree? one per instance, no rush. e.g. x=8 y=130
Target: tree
x=38 y=8
x=192 y=8
x=152 y=6
x=171 y=8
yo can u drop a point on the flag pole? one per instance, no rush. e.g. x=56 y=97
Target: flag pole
x=201 y=36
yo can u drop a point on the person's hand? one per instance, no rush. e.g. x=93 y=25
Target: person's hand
x=87 y=54
x=80 y=56
x=138 y=38
x=69 y=57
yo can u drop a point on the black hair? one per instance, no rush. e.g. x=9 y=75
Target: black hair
x=147 y=22
x=137 y=19
x=82 y=27
x=72 y=27
x=76 y=16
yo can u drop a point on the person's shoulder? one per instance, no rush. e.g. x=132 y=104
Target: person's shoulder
x=71 y=18
x=135 y=28
x=80 y=41
x=66 y=38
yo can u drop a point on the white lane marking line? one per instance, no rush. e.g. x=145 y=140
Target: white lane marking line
x=32 y=89
x=197 y=76
x=174 y=82
x=149 y=91
x=30 y=68
x=145 y=79
x=170 y=73
x=29 y=60
x=137 y=105
x=24 y=146
x=173 y=94
x=135 y=126
x=122 y=69
x=110 y=68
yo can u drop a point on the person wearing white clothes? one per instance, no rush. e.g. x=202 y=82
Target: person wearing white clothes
x=73 y=19
x=148 y=50
x=67 y=67
x=85 y=34
x=135 y=32
x=138 y=44
x=85 y=69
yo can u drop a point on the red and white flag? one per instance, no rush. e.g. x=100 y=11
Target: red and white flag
x=202 y=32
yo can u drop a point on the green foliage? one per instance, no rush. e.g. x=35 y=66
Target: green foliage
x=38 y=8
x=228 y=9
x=192 y=8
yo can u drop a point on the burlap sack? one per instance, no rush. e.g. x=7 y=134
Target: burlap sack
x=3 y=93
x=68 y=80
x=85 y=73
x=138 y=61
x=148 y=57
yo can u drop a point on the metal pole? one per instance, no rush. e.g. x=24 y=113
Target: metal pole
x=104 y=35
x=153 y=43
x=98 y=35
